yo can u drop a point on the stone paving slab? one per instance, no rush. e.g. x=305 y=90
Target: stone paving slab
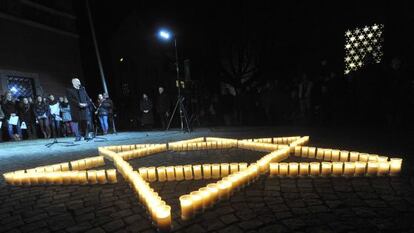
x=272 y=204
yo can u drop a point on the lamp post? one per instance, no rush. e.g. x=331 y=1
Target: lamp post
x=166 y=36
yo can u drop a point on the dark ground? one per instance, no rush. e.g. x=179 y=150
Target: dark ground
x=379 y=204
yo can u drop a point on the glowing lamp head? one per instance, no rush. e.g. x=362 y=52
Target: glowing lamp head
x=164 y=34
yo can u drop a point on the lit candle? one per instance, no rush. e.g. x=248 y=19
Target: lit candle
x=395 y=166
x=304 y=169
x=25 y=179
x=383 y=168
x=353 y=156
x=66 y=177
x=161 y=174
x=349 y=168
x=197 y=201
x=224 y=187
x=188 y=172
x=8 y=177
x=215 y=171
x=143 y=172
x=65 y=167
x=197 y=172
x=297 y=150
x=89 y=163
x=186 y=204
x=319 y=153
x=214 y=192
x=327 y=155
x=283 y=169
x=234 y=167
x=293 y=169
x=337 y=168
x=372 y=158
x=83 y=179
x=360 y=168
x=74 y=177
x=224 y=169
x=343 y=157
x=314 y=168
x=242 y=166
x=206 y=171
x=326 y=168
x=372 y=168
x=152 y=174
x=311 y=152
x=335 y=155
x=179 y=172
x=163 y=214
x=274 y=169
x=74 y=165
x=382 y=159
x=170 y=173
x=81 y=164
x=363 y=157
x=305 y=151
x=92 y=177
x=111 y=174
x=206 y=197
x=57 y=168
x=101 y=176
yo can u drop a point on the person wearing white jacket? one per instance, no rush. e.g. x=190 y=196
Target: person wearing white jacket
x=55 y=118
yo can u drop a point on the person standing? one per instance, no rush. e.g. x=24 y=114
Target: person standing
x=102 y=111
x=1 y=123
x=80 y=104
x=26 y=115
x=41 y=111
x=11 y=111
x=163 y=107
x=111 y=108
x=55 y=119
x=66 y=117
x=147 y=117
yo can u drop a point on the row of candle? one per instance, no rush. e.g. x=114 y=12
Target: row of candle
x=205 y=197
x=201 y=145
x=258 y=146
x=274 y=156
x=158 y=210
x=336 y=168
x=278 y=140
x=337 y=155
x=123 y=148
x=62 y=177
x=86 y=163
x=190 y=172
x=133 y=154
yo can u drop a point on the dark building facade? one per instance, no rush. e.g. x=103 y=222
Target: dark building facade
x=39 y=46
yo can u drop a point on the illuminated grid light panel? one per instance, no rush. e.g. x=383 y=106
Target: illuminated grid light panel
x=229 y=177
x=363 y=42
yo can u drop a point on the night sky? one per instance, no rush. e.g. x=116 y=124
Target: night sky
x=290 y=36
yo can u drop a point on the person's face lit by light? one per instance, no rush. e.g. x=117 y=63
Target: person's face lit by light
x=76 y=83
x=100 y=97
x=39 y=99
x=160 y=90
x=51 y=98
x=25 y=101
x=9 y=96
x=144 y=96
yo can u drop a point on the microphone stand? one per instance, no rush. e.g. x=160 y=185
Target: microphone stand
x=55 y=141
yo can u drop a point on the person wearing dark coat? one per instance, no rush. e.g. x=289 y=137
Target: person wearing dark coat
x=111 y=115
x=163 y=107
x=10 y=109
x=41 y=112
x=147 y=118
x=26 y=115
x=80 y=104
x=1 y=123
x=102 y=111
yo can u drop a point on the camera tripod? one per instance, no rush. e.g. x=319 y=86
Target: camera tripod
x=183 y=115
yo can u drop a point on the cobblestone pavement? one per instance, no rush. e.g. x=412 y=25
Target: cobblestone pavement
x=271 y=204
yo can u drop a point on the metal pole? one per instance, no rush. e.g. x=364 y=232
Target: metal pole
x=98 y=57
x=179 y=83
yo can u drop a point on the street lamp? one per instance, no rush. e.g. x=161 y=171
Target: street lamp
x=166 y=35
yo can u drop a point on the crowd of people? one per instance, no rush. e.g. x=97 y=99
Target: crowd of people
x=49 y=117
